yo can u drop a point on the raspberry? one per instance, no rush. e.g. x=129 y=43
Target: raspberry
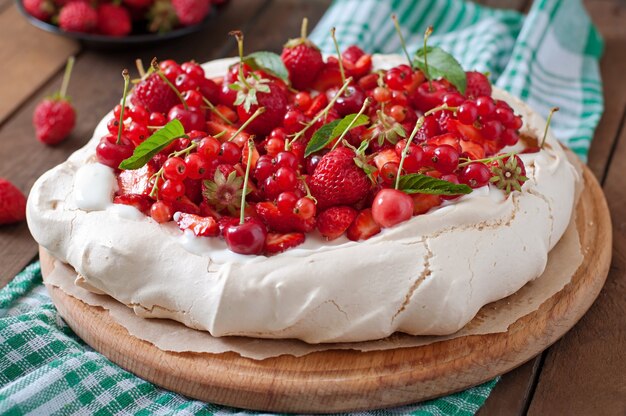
x=78 y=17
x=113 y=20
x=155 y=95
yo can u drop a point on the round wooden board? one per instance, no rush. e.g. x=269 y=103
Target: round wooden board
x=345 y=380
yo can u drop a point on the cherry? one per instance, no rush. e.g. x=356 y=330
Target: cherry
x=161 y=212
x=171 y=190
x=311 y=163
x=287 y=160
x=210 y=90
x=117 y=111
x=193 y=98
x=193 y=69
x=475 y=175
x=191 y=118
x=197 y=166
x=175 y=168
x=467 y=113
x=305 y=208
x=278 y=133
x=172 y=72
x=505 y=115
x=226 y=95
x=110 y=153
x=264 y=168
x=286 y=202
x=274 y=146
x=350 y=101
x=445 y=158
x=270 y=188
x=209 y=147
x=229 y=153
x=453 y=99
x=391 y=207
x=246 y=238
x=424 y=99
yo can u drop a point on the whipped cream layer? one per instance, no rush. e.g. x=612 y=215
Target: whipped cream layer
x=427 y=276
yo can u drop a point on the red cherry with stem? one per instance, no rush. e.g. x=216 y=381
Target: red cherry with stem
x=161 y=212
x=350 y=101
x=286 y=202
x=475 y=175
x=175 y=168
x=445 y=158
x=197 y=166
x=246 y=238
x=229 y=153
x=305 y=208
x=191 y=118
x=467 y=113
x=110 y=153
x=391 y=207
x=171 y=190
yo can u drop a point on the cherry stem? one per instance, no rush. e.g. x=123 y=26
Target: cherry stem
x=238 y=34
x=394 y=17
x=548 y=121
x=343 y=74
x=347 y=129
x=216 y=111
x=155 y=188
x=245 y=180
x=66 y=77
x=140 y=68
x=487 y=160
x=429 y=31
x=440 y=108
x=405 y=151
x=121 y=121
x=257 y=113
x=155 y=66
x=184 y=151
x=303 y=28
x=318 y=115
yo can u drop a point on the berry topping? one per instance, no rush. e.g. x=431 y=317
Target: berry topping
x=12 y=203
x=277 y=243
x=391 y=207
x=200 y=226
x=335 y=221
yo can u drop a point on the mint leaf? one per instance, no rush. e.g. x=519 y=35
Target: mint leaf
x=416 y=183
x=329 y=131
x=153 y=145
x=268 y=62
x=441 y=65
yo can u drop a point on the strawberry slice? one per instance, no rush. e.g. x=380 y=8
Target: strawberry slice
x=422 y=203
x=385 y=156
x=450 y=139
x=333 y=222
x=136 y=181
x=200 y=226
x=184 y=204
x=277 y=243
x=283 y=222
x=363 y=226
x=141 y=202
x=472 y=150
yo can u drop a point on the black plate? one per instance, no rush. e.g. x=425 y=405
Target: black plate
x=134 y=39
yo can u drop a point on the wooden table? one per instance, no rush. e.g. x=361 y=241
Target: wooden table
x=583 y=373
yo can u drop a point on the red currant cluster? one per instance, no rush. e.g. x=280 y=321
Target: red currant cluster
x=247 y=148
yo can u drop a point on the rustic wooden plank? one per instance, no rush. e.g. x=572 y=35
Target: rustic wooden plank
x=29 y=58
x=95 y=88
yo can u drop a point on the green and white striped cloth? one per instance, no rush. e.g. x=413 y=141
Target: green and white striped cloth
x=548 y=58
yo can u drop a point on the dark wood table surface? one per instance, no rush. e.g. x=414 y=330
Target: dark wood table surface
x=584 y=373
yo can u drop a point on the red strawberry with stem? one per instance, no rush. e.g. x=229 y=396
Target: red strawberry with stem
x=337 y=180
x=40 y=9
x=113 y=20
x=78 y=17
x=303 y=59
x=12 y=203
x=54 y=117
x=335 y=221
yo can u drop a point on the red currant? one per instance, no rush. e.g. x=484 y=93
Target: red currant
x=287 y=160
x=509 y=137
x=492 y=129
x=381 y=94
x=293 y=121
x=414 y=159
x=445 y=158
x=209 y=147
x=171 y=190
x=193 y=98
x=389 y=171
x=302 y=100
x=274 y=146
x=137 y=133
x=197 y=166
x=139 y=114
x=485 y=106
x=229 y=153
x=157 y=119
x=185 y=82
x=175 y=168
x=398 y=113
x=286 y=201
x=193 y=69
x=475 y=175
x=286 y=179
x=391 y=207
x=453 y=99
x=398 y=77
x=161 y=212
x=467 y=113
x=305 y=208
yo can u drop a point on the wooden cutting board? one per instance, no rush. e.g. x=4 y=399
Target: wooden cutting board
x=345 y=380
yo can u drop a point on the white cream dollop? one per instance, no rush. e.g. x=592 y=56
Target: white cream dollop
x=94 y=186
x=427 y=276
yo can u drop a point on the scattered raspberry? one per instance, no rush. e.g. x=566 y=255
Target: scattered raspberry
x=113 y=20
x=12 y=203
x=155 y=95
x=78 y=17
x=333 y=222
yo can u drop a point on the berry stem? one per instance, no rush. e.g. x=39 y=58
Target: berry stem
x=429 y=31
x=121 y=121
x=548 y=121
x=318 y=115
x=245 y=180
x=405 y=151
x=184 y=151
x=343 y=74
x=304 y=27
x=487 y=160
x=440 y=108
x=66 y=77
x=216 y=111
x=257 y=113
x=155 y=66
x=238 y=34
x=361 y=111
x=394 y=17
x=140 y=68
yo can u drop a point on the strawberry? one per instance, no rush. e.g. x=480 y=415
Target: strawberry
x=113 y=20
x=363 y=226
x=40 y=9
x=478 y=85
x=275 y=103
x=54 y=117
x=136 y=181
x=277 y=243
x=191 y=12
x=78 y=17
x=154 y=95
x=329 y=76
x=200 y=226
x=303 y=60
x=337 y=180
x=333 y=222
x=422 y=203
x=12 y=203
x=141 y=202
x=283 y=222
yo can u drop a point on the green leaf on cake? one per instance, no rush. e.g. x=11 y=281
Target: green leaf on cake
x=416 y=183
x=268 y=62
x=325 y=134
x=153 y=145
x=440 y=65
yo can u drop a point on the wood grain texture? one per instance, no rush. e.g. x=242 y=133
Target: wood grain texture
x=333 y=381
x=29 y=60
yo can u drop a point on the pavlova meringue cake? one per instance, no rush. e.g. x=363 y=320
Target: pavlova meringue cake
x=428 y=275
